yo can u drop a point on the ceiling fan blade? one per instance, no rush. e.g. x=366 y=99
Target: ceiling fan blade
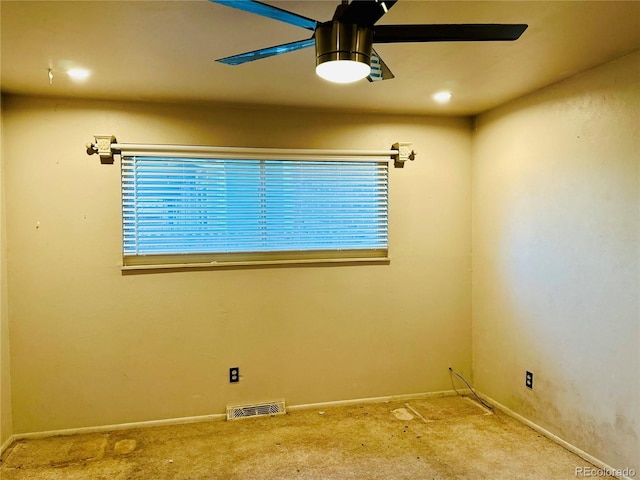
x=268 y=11
x=472 y=32
x=366 y=12
x=267 y=52
x=379 y=69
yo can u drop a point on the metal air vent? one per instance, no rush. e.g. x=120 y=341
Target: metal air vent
x=243 y=411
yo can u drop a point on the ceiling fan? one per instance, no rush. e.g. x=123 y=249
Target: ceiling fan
x=344 y=45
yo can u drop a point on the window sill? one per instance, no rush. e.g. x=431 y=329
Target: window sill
x=255 y=264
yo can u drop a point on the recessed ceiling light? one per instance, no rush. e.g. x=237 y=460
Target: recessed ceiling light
x=442 y=97
x=78 y=74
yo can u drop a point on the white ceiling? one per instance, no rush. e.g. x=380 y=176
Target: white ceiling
x=165 y=51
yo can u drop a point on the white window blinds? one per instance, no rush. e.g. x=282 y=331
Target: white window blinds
x=217 y=210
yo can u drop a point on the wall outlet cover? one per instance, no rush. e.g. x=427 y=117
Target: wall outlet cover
x=528 y=379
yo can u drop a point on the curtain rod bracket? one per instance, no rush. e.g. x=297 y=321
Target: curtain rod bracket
x=102 y=147
x=404 y=153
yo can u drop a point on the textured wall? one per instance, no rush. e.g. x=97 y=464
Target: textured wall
x=6 y=428
x=92 y=346
x=556 y=226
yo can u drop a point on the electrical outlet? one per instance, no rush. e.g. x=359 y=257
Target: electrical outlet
x=234 y=374
x=528 y=380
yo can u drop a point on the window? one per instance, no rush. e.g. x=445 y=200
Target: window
x=224 y=211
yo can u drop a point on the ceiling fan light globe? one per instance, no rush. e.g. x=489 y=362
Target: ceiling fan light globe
x=343 y=71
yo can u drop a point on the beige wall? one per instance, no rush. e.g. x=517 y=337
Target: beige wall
x=90 y=346
x=6 y=429
x=556 y=202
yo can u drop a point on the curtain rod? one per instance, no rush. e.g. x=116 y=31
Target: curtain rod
x=106 y=146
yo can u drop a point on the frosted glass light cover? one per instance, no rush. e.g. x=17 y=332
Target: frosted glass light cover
x=343 y=71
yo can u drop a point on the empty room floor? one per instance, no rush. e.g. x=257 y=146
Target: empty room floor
x=430 y=438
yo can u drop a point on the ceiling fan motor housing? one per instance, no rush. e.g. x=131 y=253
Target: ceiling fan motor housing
x=343 y=41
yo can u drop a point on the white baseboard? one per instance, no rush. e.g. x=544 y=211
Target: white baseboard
x=359 y=401
x=551 y=436
x=6 y=444
x=118 y=426
x=215 y=416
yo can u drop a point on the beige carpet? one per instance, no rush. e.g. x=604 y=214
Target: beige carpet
x=436 y=438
